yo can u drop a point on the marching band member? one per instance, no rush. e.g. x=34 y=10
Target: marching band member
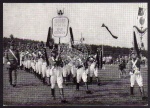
x=122 y=67
x=81 y=74
x=13 y=62
x=56 y=76
x=93 y=70
x=74 y=71
x=21 y=58
x=92 y=66
x=29 y=62
x=44 y=68
x=135 y=74
x=39 y=64
x=66 y=72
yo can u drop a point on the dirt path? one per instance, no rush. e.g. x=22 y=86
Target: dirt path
x=113 y=91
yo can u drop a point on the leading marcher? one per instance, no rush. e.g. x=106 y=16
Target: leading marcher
x=13 y=62
x=135 y=74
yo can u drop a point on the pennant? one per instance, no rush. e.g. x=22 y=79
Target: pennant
x=98 y=58
x=50 y=40
x=136 y=49
x=71 y=35
x=140 y=31
x=47 y=61
x=48 y=37
x=109 y=31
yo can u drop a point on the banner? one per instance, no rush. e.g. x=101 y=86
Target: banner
x=60 y=26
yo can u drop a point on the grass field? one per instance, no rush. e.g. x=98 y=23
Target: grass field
x=113 y=91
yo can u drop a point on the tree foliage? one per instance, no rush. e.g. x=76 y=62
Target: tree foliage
x=108 y=50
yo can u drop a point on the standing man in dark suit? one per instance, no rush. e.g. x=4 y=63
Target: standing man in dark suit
x=13 y=62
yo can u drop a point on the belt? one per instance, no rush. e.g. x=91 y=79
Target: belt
x=80 y=66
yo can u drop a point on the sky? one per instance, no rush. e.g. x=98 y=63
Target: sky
x=32 y=20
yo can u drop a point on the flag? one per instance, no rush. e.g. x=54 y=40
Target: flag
x=97 y=58
x=141 y=11
x=50 y=40
x=48 y=37
x=135 y=47
x=140 y=31
x=71 y=35
x=47 y=61
x=101 y=59
x=103 y=25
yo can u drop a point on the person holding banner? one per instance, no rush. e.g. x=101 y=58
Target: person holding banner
x=135 y=74
x=56 y=76
x=13 y=62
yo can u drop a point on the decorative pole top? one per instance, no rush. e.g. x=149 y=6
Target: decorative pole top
x=60 y=12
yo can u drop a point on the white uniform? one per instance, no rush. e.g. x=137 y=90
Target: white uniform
x=26 y=59
x=21 y=57
x=48 y=72
x=56 y=77
x=73 y=70
x=136 y=75
x=44 y=68
x=4 y=60
x=93 y=70
x=81 y=73
x=36 y=66
x=40 y=61
x=66 y=70
x=28 y=63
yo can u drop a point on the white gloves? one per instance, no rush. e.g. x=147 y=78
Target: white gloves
x=131 y=73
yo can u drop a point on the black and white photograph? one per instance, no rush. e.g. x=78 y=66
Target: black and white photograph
x=75 y=54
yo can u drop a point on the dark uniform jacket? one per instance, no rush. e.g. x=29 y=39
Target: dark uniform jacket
x=11 y=58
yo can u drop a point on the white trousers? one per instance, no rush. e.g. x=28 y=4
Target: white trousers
x=39 y=67
x=81 y=73
x=136 y=77
x=56 y=77
x=66 y=70
x=44 y=68
x=28 y=64
x=74 y=71
x=48 y=72
x=94 y=72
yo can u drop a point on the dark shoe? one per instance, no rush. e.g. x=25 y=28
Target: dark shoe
x=14 y=85
x=53 y=97
x=63 y=101
x=142 y=91
x=74 y=80
x=91 y=79
x=99 y=84
x=49 y=84
x=53 y=93
x=131 y=91
x=77 y=86
x=144 y=98
x=10 y=82
x=88 y=92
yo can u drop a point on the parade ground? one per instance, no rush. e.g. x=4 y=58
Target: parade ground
x=113 y=90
